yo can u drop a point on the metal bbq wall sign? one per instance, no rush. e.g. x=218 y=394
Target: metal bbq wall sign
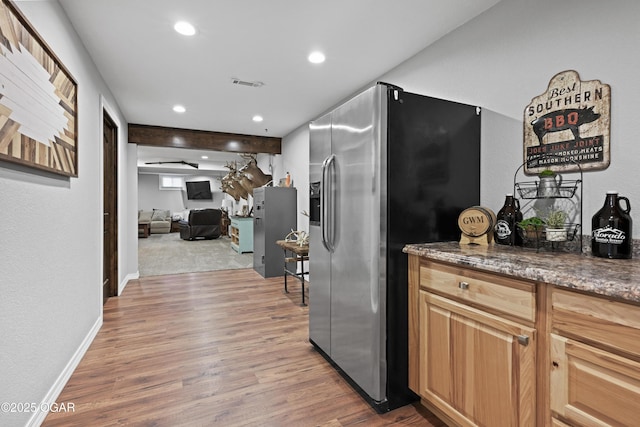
x=38 y=113
x=567 y=127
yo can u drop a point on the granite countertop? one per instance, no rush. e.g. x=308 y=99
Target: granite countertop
x=618 y=278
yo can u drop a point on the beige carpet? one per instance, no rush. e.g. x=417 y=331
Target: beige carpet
x=161 y=254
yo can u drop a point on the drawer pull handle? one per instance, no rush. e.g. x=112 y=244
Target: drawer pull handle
x=523 y=339
x=463 y=285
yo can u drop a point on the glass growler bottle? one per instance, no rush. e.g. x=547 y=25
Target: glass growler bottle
x=505 y=231
x=611 y=229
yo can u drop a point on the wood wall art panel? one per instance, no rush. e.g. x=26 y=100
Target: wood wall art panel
x=38 y=99
x=159 y=136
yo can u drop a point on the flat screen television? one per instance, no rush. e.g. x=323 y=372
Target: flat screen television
x=199 y=190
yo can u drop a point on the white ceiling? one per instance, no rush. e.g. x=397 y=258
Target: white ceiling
x=149 y=67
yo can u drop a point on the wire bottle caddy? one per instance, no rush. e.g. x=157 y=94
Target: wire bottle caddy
x=551 y=206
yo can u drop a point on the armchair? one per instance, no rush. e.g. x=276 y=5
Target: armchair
x=203 y=223
x=160 y=221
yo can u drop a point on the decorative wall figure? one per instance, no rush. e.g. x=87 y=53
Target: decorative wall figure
x=239 y=183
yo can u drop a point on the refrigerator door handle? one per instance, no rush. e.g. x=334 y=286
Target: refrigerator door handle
x=324 y=199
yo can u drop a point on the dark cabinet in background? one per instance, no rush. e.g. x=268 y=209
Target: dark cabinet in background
x=274 y=216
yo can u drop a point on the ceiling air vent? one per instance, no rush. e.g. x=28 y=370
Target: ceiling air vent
x=237 y=81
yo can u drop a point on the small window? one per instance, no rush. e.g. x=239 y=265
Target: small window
x=169 y=182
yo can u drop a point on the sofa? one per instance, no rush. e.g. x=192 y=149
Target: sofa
x=201 y=223
x=159 y=220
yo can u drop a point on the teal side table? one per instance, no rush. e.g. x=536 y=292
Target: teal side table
x=242 y=234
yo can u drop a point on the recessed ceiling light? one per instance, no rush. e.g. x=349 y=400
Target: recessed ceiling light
x=257 y=118
x=204 y=157
x=316 y=57
x=179 y=109
x=184 y=28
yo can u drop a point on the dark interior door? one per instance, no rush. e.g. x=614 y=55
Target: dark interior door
x=110 y=203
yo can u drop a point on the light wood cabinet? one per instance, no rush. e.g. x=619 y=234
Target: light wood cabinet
x=477 y=362
x=477 y=367
x=486 y=349
x=595 y=348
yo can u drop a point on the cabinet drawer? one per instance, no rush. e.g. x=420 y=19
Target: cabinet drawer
x=612 y=324
x=507 y=295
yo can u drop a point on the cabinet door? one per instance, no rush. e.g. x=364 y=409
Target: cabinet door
x=476 y=367
x=592 y=387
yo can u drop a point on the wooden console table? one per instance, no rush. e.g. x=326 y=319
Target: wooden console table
x=143 y=227
x=298 y=254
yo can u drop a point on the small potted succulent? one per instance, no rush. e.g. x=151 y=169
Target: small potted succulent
x=531 y=228
x=555 y=226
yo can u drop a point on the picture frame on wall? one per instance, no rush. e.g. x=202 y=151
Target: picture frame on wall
x=38 y=99
x=567 y=128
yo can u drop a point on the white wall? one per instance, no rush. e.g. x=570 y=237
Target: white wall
x=150 y=196
x=295 y=157
x=505 y=57
x=128 y=200
x=295 y=160
x=51 y=250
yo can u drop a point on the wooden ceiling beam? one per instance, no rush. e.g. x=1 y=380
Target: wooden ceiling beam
x=159 y=136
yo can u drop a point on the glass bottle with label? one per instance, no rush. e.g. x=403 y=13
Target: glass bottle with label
x=505 y=231
x=611 y=229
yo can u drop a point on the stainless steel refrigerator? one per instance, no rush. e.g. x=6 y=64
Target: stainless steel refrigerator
x=387 y=168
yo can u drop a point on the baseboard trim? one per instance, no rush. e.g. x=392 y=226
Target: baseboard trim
x=38 y=417
x=125 y=281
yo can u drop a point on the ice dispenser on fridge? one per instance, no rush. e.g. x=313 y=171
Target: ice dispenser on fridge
x=314 y=203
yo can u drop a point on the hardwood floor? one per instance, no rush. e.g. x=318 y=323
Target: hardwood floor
x=225 y=348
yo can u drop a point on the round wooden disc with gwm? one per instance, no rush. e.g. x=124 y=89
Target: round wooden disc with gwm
x=476 y=224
